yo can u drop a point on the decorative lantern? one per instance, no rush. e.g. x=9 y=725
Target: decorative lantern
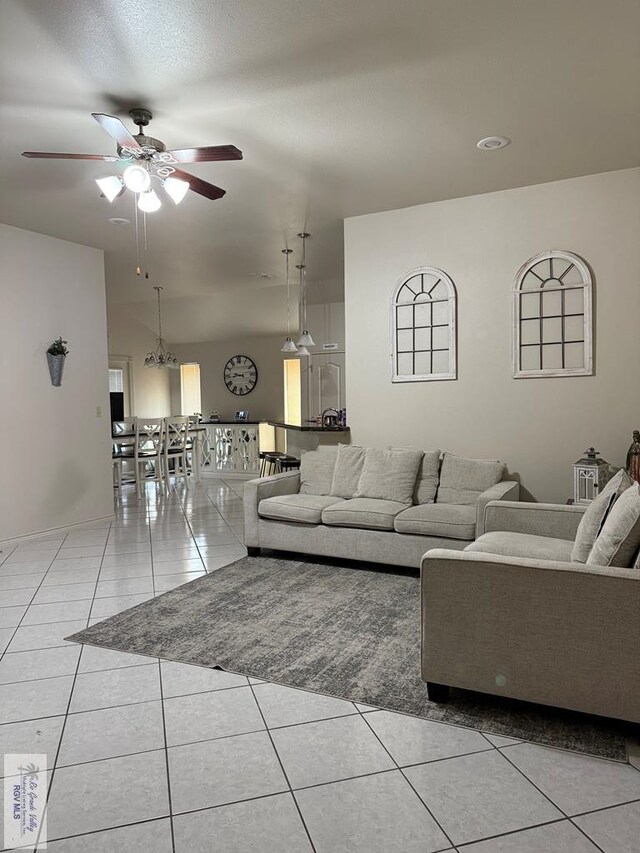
x=590 y=476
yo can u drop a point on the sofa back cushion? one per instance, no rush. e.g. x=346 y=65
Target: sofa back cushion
x=389 y=474
x=463 y=480
x=619 y=539
x=347 y=471
x=428 y=476
x=596 y=514
x=316 y=470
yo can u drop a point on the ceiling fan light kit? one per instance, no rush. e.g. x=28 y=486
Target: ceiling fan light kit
x=136 y=178
x=148 y=201
x=175 y=189
x=111 y=187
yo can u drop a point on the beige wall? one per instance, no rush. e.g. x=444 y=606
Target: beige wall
x=538 y=426
x=56 y=460
x=128 y=337
x=265 y=402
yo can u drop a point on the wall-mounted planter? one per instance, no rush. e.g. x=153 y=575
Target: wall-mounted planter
x=56 y=366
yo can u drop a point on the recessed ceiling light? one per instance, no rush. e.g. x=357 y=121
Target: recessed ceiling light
x=118 y=220
x=490 y=143
x=261 y=275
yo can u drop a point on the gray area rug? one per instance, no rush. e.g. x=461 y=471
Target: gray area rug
x=351 y=632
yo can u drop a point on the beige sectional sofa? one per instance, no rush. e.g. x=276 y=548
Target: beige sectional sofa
x=544 y=606
x=385 y=506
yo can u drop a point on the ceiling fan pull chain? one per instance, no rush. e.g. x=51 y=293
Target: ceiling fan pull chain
x=135 y=216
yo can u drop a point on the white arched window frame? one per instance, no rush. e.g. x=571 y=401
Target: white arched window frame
x=552 y=304
x=423 y=327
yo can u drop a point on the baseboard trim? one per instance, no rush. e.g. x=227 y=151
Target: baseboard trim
x=62 y=529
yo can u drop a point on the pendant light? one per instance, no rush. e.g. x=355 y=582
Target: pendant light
x=160 y=356
x=288 y=345
x=305 y=340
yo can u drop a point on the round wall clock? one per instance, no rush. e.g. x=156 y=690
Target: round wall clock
x=240 y=375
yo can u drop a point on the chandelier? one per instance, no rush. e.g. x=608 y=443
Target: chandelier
x=160 y=356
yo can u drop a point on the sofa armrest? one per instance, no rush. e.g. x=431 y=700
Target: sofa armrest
x=558 y=633
x=507 y=490
x=558 y=521
x=256 y=491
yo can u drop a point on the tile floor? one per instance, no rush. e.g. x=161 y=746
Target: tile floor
x=159 y=757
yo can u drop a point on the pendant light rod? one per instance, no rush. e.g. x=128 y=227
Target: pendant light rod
x=288 y=345
x=305 y=340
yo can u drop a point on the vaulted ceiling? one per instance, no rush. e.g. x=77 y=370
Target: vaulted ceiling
x=341 y=108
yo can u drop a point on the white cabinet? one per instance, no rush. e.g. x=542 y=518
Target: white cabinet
x=231 y=449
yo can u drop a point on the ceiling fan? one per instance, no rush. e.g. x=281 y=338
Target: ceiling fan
x=146 y=158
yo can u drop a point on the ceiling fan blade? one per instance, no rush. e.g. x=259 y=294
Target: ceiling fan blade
x=207 y=154
x=116 y=130
x=199 y=186
x=48 y=155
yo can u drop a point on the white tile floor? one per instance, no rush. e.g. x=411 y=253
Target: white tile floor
x=160 y=757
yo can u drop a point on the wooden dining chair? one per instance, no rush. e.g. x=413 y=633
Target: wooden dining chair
x=176 y=448
x=148 y=450
x=124 y=451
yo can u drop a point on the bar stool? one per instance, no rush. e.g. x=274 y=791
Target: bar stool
x=287 y=463
x=269 y=462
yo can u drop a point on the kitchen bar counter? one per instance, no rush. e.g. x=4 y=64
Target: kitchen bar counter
x=307 y=428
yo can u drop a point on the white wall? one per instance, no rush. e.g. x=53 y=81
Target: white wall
x=129 y=337
x=538 y=426
x=56 y=454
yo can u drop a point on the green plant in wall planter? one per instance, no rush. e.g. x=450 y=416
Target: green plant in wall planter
x=56 y=355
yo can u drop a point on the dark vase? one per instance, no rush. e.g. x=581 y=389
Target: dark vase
x=633 y=457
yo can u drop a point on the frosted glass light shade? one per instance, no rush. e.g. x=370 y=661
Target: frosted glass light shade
x=306 y=340
x=302 y=350
x=110 y=187
x=176 y=189
x=136 y=178
x=289 y=346
x=149 y=201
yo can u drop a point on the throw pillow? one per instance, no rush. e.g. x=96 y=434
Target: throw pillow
x=316 y=470
x=347 y=471
x=463 y=480
x=428 y=476
x=389 y=474
x=596 y=514
x=619 y=538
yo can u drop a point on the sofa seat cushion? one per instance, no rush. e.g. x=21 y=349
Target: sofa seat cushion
x=305 y=509
x=367 y=513
x=453 y=521
x=508 y=544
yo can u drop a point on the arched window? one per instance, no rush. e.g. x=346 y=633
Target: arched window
x=552 y=317
x=423 y=326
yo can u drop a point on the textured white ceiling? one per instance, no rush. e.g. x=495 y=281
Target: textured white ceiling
x=340 y=108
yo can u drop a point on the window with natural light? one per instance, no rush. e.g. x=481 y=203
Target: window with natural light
x=116 y=382
x=190 y=389
x=292 y=395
